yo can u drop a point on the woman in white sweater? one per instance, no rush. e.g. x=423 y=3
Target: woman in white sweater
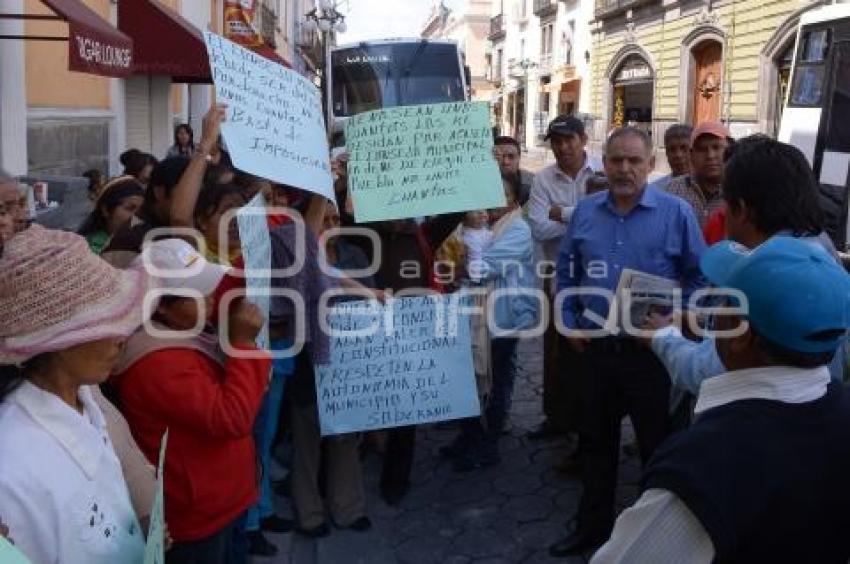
x=65 y=316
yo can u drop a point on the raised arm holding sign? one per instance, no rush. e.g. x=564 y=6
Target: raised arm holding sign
x=416 y=161
x=274 y=125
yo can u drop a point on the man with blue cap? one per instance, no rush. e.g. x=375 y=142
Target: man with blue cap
x=761 y=475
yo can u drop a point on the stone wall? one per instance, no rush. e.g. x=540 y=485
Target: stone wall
x=67 y=147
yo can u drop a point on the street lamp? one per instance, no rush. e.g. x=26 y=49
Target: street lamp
x=326 y=19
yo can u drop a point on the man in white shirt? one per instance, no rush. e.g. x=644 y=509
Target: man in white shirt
x=555 y=193
x=761 y=475
x=557 y=188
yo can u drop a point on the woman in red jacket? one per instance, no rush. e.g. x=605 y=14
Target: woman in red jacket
x=208 y=402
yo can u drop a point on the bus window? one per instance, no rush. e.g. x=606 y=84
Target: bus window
x=808 y=86
x=371 y=77
x=838 y=129
x=815 y=44
x=810 y=74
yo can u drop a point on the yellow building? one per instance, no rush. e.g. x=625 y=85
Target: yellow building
x=655 y=63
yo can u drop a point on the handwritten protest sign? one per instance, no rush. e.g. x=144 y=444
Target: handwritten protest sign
x=155 y=547
x=274 y=125
x=422 y=160
x=256 y=252
x=11 y=555
x=418 y=371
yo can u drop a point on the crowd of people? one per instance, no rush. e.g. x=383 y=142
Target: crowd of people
x=737 y=399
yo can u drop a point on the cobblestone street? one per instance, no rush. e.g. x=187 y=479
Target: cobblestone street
x=506 y=514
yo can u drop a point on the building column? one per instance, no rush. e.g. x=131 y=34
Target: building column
x=118 y=105
x=200 y=98
x=162 y=128
x=13 y=92
x=199 y=95
x=117 y=125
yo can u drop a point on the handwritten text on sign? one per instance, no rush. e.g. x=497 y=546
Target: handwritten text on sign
x=274 y=125
x=422 y=160
x=405 y=363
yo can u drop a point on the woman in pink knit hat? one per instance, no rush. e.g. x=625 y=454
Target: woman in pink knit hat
x=66 y=314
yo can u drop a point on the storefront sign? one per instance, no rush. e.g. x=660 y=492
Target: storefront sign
x=635 y=71
x=106 y=52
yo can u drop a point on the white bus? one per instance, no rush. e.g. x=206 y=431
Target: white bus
x=385 y=73
x=816 y=118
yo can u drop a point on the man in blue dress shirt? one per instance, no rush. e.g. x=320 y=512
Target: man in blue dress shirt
x=631 y=226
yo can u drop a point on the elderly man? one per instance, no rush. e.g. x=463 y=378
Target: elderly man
x=507 y=152
x=628 y=226
x=555 y=193
x=761 y=475
x=701 y=188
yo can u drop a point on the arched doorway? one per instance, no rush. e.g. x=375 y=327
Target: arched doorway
x=633 y=88
x=707 y=65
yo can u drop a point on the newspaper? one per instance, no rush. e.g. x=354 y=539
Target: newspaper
x=638 y=295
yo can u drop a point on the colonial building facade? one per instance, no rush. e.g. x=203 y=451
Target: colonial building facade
x=659 y=62
x=539 y=53
x=466 y=22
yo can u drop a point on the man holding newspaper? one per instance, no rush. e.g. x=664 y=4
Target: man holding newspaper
x=630 y=231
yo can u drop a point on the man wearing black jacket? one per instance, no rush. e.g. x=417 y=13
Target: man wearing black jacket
x=406 y=264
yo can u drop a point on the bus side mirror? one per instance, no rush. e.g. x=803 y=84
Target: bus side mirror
x=467 y=76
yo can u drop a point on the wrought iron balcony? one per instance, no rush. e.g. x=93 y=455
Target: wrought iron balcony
x=610 y=8
x=497 y=28
x=545 y=8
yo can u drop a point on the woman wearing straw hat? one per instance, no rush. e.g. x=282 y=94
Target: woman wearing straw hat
x=66 y=314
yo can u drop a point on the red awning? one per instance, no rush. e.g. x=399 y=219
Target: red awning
x=94 y=46
x=164 y=42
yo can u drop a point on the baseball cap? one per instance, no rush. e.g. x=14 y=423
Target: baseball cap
x=565 y=125
x=177 y=264
x=713 y=128
x=798 y=296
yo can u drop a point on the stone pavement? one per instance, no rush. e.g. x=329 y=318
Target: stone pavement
x=507 y=514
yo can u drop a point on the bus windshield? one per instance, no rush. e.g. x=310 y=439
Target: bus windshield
x=371 y=77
